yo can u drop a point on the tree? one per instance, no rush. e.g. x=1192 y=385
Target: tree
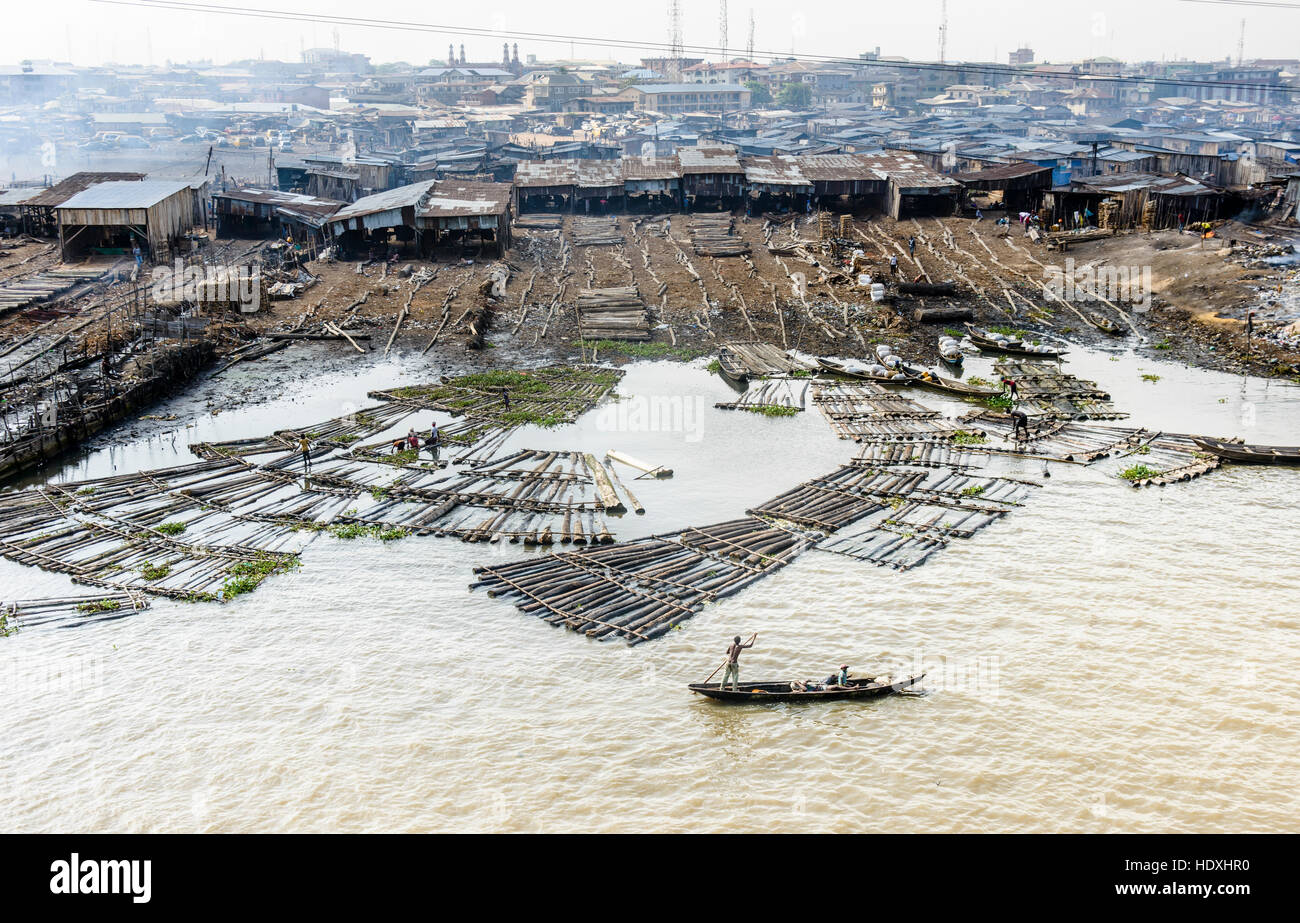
x=759 y=95
x=795 y=96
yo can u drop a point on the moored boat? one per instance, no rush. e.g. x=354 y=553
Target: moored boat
x=858 y=688
x=947 y=385
x=1012 y=347
x=836 y=367
x=730 y=368
x=1103 y=323
x=1250 y=454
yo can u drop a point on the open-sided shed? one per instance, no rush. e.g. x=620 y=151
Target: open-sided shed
x=458 y=211
x=116 y=216
x=371 y=220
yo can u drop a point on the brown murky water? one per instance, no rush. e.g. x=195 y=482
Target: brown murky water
x=1104 y=659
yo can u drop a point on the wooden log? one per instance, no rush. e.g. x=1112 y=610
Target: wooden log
x=604 y=487
x=942 y=315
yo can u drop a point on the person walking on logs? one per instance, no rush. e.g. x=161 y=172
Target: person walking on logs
x=505 y=399
x=1012 y=390
x=1019 y=426
x=305 y=445
x=893 y=265
x=732 y=670
x=911 y=246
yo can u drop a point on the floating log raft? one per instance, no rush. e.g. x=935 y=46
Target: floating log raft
x=1044 y=389
x=640 y=590
x=75 y=610
x=775 y=397
x=868 y=412
x=612 y=314
x=715 y=235
x=921 y=455
x=596 y=232
x=549 y=396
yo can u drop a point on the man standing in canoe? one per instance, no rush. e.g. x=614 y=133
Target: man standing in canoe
x=733 y=662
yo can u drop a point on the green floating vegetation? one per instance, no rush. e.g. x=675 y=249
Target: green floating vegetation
x=973 y=491
x=155 y=572
x=100 y=605
x=979 y=382
x=962 y=437
x=544 y=419
x=714 y=367
x=86 y=492
x=650 y=350
x=770 y=410
x=1163 y=344
x=6 y=629
x=954 y=332
x=1138 y=473
x=351 y=530
x=171 y=528
x=246 y=576
x=1147 y=376
x=998 y=401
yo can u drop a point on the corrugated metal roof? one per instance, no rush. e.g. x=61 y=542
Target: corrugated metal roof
x=292 y=203
x=126 y=194
x=650 y=168
x=775 y=171
x=401 y=197
x=709 y=159
x=533 y=173
x=454 y=198
x=18 y=196
x=61 y=192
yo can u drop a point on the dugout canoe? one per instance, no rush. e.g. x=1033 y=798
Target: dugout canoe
x=841 y=368
x=947 y=385
x=1011 y=348
x=1250 y=454
x=1104 y=323
x=858 y=688
x=731 y=368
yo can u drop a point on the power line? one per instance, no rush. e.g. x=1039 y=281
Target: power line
x=679 y=48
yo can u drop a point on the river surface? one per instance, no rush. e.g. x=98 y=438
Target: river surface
x=1104 y=659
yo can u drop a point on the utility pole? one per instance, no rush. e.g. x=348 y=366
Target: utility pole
x=675 y=39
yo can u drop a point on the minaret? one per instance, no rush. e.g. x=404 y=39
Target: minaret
x=451 y=54
x=505 y=55
x=462 y=52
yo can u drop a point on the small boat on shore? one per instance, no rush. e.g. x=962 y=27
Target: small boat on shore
x=1249 y=454
x=1104 y=323
x=858 y=688
x=1010 y=346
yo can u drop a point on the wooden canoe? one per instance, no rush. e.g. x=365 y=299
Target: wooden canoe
x=731 y=368
x=1103 y=323
x=1250 y=454
x=984 y=341
x=947 y=385
x=839 y=368
x=858 y=688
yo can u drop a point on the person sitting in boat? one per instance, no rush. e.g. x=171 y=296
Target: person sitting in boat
x=839 y=680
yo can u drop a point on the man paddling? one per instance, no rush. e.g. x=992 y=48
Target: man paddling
x=733 y=662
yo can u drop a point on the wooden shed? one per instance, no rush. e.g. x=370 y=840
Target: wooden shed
x=113 y=217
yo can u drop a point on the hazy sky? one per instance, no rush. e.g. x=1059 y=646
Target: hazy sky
x=86 y=32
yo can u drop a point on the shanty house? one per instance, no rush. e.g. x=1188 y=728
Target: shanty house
x=269 y=212
x=457 y=211
x=115 y=216
x=371 y=222
x=711 y=174
x=1018 y=187
x=38 y=217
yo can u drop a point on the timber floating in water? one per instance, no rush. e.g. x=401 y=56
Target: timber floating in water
x=1249 y=454
x=865 y=688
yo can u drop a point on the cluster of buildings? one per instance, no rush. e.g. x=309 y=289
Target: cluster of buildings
x=451 y=150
